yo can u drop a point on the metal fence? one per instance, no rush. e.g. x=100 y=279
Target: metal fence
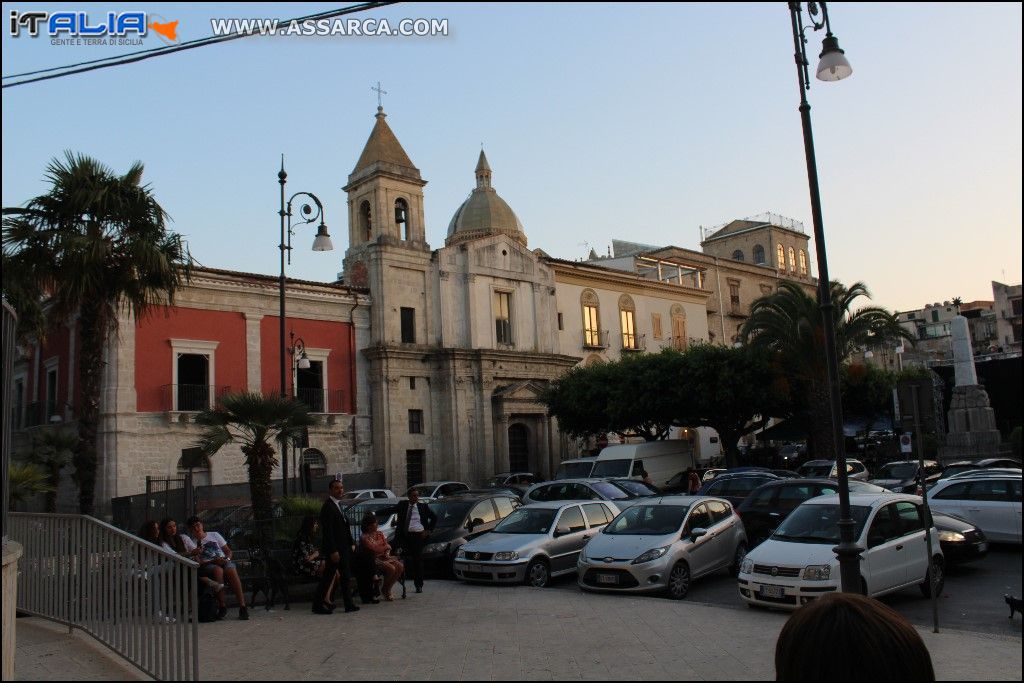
x=134 y=597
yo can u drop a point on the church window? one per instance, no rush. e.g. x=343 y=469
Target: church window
x=561 y=325
x=803 y=263
x=415 y=421
x=408 y=317
x=759 y=254
x=402 y=219
x=780 y=257
x=737 y=255
x=503 y=318
x=792 y=260
x=365 y=223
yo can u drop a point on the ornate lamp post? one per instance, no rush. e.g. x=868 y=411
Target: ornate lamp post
x=832 y=67
x=322 y=242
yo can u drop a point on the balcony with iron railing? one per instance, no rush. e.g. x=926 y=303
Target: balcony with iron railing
x=191 y=398
x=321 y=400
x=634 y=342
x=595 y=339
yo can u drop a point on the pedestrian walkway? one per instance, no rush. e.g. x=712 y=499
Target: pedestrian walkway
x=47 y=652
x=460 y=632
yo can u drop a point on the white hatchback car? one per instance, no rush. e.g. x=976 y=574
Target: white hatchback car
x=797 y=563
x=989 y=500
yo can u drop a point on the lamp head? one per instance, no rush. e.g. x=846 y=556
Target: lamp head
x=322 y=242
x=833 y=65
x=303 y=363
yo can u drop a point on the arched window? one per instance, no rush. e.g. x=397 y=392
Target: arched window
x=792 y=260
x=402 y=219
x=316 y=461
x=759 y=254
x=679 y=340
x=780 y=257
x=592 y=337
x=737 y=255
x=627 y=318
x=803 y=263
x=365 y=222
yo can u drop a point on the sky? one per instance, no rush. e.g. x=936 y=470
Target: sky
x=606 y=121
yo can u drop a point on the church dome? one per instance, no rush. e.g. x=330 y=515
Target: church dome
x=484 y=213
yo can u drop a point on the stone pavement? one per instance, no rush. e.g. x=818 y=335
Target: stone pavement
x=459 y=632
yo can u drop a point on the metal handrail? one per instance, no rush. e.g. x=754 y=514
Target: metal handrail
x=134 y=597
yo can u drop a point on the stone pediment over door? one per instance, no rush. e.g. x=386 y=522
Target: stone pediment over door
x=519 y=398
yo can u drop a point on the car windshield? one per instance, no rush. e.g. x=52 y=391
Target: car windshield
x=816 y=470
x=636 y=489
x=612 y=468
x=450 y=513
x=527 y=520
x=574 y=470
x=425 y=490
x=897 y=470
x=610 y=491
x=864 y=487
x=648 y=520
x=818 y=524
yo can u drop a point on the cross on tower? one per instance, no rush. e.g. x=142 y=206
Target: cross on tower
x=380 y=91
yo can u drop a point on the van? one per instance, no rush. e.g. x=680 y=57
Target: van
x=578 y=468
x=661 y=459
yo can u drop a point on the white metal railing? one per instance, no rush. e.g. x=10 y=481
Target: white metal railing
x=134 y=597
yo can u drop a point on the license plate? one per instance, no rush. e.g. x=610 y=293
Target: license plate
x=607 y=578
x=475 y=568
x=772 y=591
x=982 y=547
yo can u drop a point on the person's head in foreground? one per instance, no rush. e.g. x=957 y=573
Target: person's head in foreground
x=848 y=637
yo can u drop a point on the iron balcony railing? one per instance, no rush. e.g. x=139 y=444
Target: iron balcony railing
x=321 y=400
x=595 y=339
x=187 y=398
x=134 y=597
x=634 y=342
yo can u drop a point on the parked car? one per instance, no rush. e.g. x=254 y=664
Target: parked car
x=533 y=544
x=660 y=459
x=712 y=473
x=663 y=545
x=989 y=499
x=813 y=469
x=735 y=487
x=769 y=504
x=363 y=494
x=517 y=481
x=961 y=466
x=797 y=563
x=430 y=490
x=961 y=540
x=459 y=516
x=901 y=476
x=636 y=489
x=574 y=469
x=578 y=489
x=385 y=509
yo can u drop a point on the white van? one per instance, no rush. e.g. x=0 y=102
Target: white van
x=661 y=459
x=578 y=468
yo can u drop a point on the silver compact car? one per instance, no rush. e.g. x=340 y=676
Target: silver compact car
x=533 y=544
x=663 y=544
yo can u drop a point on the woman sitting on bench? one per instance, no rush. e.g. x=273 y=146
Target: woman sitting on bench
x=374 y=543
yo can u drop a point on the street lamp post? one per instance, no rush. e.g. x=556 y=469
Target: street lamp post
x=832 y=67
x=322 y=242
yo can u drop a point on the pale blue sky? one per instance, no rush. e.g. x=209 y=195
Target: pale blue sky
x=633 y=121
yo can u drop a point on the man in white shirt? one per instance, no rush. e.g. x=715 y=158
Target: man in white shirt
x=214 y=558
x=415 y=522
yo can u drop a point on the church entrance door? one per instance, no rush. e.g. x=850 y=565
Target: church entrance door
x=518 y=448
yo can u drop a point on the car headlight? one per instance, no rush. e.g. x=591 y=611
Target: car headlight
x=747 y=567
x=817 y=572
x=505 y=557
x=461 y=553
x=435 y=548
x=951 y=536
x=650 y=555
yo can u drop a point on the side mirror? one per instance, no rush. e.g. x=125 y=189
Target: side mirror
x=561 y=531
x=698 y=532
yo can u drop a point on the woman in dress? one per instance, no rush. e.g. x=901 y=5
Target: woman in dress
x=305 y=554
x=377 y=546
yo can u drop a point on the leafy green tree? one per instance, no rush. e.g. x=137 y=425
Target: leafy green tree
x=254 y=421
x=788 y=325
x=867 y=392
x=96 y=244
x=53 y=449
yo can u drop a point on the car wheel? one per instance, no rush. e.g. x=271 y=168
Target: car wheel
x=737 y=559
x=936 y=577
x=538 y=574
x=679 y=581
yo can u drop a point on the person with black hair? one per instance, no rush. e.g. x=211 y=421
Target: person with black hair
x=336 y=548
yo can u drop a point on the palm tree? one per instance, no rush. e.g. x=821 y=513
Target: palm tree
x=788 y=324
x=95 y=245
x=52 y=449
x=254 y=420
x=25 y=480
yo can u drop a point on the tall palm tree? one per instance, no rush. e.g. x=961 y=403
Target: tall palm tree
x=25 y=480
x=788 y=324
x=255 y=421
x=53 y=449
x=96 y=244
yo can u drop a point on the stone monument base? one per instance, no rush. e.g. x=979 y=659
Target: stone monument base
x=972 y=426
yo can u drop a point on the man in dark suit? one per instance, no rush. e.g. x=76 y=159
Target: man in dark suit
x=415 y=522
x=336 y=548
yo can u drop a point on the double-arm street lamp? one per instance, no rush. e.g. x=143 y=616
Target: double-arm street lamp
x=832 y=67
x=322 y=242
